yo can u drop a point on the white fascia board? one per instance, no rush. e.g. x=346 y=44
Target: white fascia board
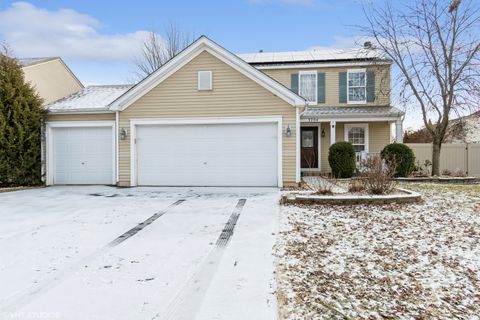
x=206 y=120
x=321 y=65
x=75 y=124
x=348 y=119
x=80 y=111
x=204 y=44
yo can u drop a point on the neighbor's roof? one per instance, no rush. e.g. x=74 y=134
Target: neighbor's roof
x=25 y=62
x=89 y=99
x=320 y=55
x=353 y=112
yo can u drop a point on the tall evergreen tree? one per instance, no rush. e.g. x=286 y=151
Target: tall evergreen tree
x=21 y=121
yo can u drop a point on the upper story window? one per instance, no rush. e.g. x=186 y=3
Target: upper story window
x=357 y=86
x=204 y=80
x=307 y=85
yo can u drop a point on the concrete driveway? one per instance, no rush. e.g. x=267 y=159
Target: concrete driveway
x=142 y=253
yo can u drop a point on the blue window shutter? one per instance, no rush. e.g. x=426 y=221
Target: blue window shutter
x=294 y=82
x=321 y=87
x=342 y=87
x=370 y=86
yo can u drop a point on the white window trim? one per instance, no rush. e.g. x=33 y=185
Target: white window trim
x=210 y=87
x=134 y=123
x=50 y=144
x=300 y=73
x=348 y=126
x=348 y=86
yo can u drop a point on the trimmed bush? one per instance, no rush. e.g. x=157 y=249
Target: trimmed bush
x=341 y=157
x=402 y=156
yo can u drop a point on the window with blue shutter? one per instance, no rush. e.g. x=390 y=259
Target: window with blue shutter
x=294 y=82
x=370 y=86
x=321 y=87
x=342 y=87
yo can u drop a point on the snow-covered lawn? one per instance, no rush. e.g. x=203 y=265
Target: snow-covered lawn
x=55 y=261
x=418 y=261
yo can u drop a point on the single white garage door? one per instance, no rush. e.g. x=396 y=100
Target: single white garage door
x=207 y=155
x=83 y=155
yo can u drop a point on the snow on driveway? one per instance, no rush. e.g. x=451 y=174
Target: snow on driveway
x=55 y=261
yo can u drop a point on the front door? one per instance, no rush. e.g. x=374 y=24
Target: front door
x=309 y=147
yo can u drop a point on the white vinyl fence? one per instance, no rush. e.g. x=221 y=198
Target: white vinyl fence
x=454 y=156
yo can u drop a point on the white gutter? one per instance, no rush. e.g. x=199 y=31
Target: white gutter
x=80 y=111
x=319 y=65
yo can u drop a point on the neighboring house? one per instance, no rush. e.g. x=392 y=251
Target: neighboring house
x=464 y=129
x=51 y=77
x=211 y=118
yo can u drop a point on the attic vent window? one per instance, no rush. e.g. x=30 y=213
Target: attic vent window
x=204 y=80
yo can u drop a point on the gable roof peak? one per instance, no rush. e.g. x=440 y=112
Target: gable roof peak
x=203 y=43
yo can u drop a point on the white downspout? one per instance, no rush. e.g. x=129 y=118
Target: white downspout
x=116 y=148
x=297 y=149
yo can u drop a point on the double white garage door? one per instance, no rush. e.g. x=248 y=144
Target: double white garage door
x=243 y=154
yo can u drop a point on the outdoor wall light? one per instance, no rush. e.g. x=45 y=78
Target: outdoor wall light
x=323 y=133
x=288 y=131
x=123 y=134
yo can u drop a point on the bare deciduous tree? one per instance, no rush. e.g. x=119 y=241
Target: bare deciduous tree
x=436 y=46
x=157 y=49
x=5 y=49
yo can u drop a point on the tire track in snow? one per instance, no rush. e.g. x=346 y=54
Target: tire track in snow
x=186 y=302
x=23 y=297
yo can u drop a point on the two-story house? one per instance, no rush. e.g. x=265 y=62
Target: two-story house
x=209 y=117
x=348 y=99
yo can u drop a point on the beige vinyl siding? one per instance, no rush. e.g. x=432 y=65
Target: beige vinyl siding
x=233 y=95
x=382 y=83
x=52 y=80
x=82 y=117
x=379 y=136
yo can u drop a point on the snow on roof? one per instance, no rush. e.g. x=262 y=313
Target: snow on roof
x=91 y=98
x=368 y=111
x=25 y=62
x=311 y=55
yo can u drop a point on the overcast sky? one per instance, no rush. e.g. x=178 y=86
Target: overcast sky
x=99 y=39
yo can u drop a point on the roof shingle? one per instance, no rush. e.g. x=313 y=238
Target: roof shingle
x=91 y=98
x=367 y=111
x=25 y=62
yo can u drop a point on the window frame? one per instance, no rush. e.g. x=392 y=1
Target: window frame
x=349 y=126
x=308 y=72
x=210 y=87
x=349 y=71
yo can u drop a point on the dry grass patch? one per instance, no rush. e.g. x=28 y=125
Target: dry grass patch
x=418 y=261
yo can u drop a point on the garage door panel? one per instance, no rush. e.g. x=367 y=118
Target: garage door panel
x=207 y=155
x=83 y=155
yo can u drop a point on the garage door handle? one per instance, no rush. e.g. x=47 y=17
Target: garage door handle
x=83 y=163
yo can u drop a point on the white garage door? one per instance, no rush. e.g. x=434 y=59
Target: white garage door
x=83 y=155
x=207 y=155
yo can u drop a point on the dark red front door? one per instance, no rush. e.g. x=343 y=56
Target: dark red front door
x=309 y=147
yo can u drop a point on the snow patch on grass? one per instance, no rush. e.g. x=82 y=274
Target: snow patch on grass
x=411 y=261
